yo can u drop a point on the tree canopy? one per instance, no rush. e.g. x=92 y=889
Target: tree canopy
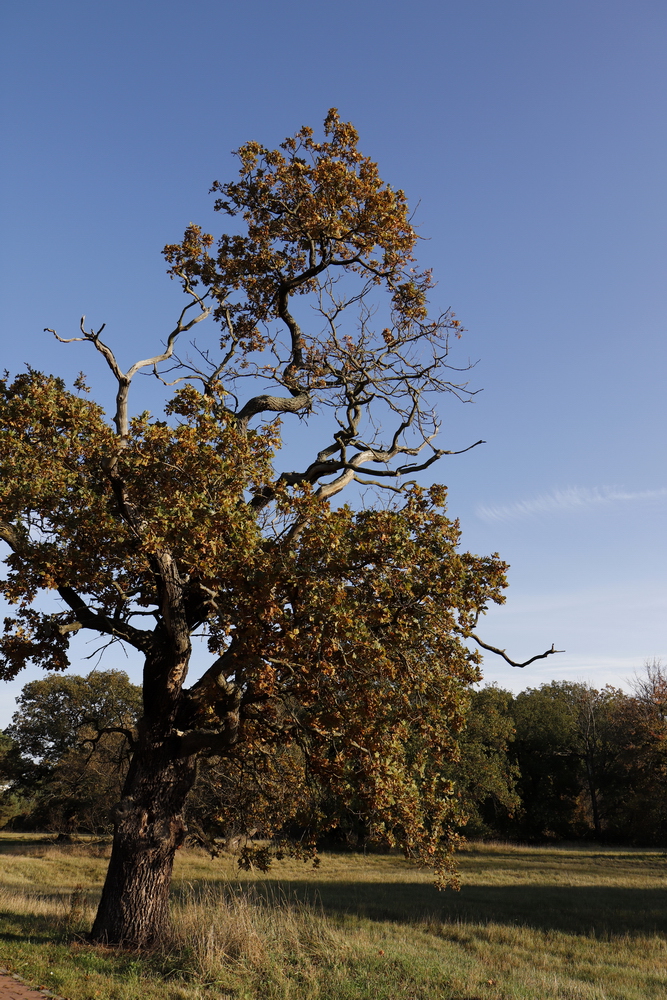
x=339 y=634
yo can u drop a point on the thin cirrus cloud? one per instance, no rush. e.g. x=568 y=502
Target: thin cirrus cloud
x=572 y=500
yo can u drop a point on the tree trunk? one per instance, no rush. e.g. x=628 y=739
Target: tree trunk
x=134 y=908
x=590 y=774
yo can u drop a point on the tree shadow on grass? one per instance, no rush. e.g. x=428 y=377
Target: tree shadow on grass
x=599 y=911
x=36 y=929
x=28 y=846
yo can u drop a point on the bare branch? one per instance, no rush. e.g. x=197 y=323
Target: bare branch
x=512 y=663
x=121 y=418
x=348 y=471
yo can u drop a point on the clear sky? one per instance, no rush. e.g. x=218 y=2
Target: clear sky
x=531 y=140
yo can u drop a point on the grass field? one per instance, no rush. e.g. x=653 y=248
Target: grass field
x=540 y=923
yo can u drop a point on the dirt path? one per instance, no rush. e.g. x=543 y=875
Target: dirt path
x=13 y=988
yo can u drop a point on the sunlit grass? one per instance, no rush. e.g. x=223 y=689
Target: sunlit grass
x=542 y=923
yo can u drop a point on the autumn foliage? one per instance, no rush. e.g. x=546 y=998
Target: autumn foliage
x=337 y=636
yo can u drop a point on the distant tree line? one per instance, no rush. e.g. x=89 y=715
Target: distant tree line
x=567 y=761
x=560 y=762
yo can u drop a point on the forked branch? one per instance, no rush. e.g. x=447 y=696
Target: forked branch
x=124 y=379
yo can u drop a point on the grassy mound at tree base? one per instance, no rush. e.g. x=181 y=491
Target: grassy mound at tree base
x=538 y=923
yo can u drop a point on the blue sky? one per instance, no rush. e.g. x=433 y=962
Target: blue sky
x=531 y=139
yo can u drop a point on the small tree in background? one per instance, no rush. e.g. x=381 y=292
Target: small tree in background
x=567 y=748
x=338 y=633
x=71 y=744
x=638 y=780
x=485 y=775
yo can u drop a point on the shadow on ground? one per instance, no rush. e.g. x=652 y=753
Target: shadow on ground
x=36 y=930
x=600 y=911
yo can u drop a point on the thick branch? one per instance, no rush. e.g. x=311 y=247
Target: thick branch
x=172 y=606
x=272 y=404
x=211 y=690
x=86 y=617
x=217 y=741
x=100 y=623
x=214 y=677
x=94 y=740
x=9 y=534
x=512 y=663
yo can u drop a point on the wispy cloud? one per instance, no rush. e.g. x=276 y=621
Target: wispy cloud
x=571 y=500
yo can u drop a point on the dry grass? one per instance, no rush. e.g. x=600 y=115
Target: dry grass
x=547 y=924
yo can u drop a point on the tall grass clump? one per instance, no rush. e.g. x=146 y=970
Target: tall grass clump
x=223 y=934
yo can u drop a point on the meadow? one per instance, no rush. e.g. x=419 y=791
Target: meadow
x=530 y=923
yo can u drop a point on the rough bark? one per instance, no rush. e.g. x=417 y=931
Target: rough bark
x=149 y=828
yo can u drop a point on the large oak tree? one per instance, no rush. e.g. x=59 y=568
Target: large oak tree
x=337 y=636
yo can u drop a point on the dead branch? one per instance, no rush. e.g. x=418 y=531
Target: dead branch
x=512 y=663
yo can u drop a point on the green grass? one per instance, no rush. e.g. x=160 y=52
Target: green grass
x=540 y=923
